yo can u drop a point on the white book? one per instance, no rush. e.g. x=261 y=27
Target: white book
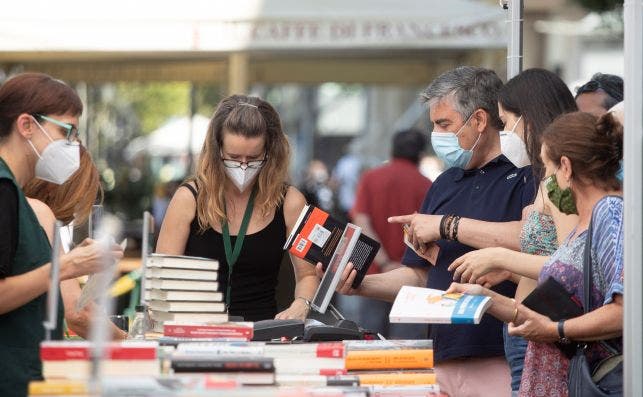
x=174 y=306
x=431 y=306
x=177 y=295
x=182 y=274
x=189 y=317
x=182 y=262
x=185 y=285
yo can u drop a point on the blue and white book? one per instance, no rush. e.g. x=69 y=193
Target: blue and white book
x=432 y=306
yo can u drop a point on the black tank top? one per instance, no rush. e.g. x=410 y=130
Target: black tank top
x=254 y=276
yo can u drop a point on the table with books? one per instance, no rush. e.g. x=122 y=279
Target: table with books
x=193 y=349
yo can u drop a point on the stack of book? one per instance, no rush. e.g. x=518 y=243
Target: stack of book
x=183 y=289
x=71 y=360
x=365 y=363
x=391 y=362
x=323 y=358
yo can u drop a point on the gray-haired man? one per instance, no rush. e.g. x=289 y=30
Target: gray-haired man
x=480 y=184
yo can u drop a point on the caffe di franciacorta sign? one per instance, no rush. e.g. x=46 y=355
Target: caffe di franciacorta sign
x=372 y=33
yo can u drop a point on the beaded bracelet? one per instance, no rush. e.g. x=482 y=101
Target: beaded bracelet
x=454 y=230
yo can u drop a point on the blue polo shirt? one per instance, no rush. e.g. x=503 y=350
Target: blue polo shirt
x=496 y=192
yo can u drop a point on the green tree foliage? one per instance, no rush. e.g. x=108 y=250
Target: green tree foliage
x=154 y=103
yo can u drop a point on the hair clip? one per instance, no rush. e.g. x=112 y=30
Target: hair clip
x=248 y=104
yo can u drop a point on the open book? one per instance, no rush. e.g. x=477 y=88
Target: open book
x=316 y=236
x=97 y=283
x=432 y=306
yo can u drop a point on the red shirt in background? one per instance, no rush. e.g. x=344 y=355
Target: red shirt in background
x=396 y=188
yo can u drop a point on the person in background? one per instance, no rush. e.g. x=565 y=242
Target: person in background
x=315 y=186
x=396 y=187
x=345 y=177
x=479 y=183
x=599 y=94
x=240 y=198
x=70 y=202
x=581 y=154
x=38 y=138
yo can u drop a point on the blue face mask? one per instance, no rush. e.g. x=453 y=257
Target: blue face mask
x=448 y=149
x=619 y=173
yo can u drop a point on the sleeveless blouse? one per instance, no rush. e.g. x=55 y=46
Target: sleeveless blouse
x=254 y=275
x=538 y=237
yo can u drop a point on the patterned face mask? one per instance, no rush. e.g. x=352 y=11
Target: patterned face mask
x=563 y=199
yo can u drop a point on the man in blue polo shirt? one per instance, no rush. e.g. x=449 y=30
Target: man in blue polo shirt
x=480 y=184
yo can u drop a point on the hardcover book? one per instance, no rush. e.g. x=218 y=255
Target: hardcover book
x=178 y=295
x=176 y=306
x=432 y=306
x=552 y=300
x=181 y=274
x=315 y=238
x=181 y=262
x=237 y=330
x=184 y=285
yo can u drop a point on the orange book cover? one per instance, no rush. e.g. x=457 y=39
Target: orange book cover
x=389 y=359
x=399 y=378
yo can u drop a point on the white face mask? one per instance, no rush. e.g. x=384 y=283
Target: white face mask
x=513 y=147
x=242 y=178
x=59 y=161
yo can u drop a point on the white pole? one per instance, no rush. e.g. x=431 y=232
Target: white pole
x=51 y=321
x=633 y=195
x=514 y=45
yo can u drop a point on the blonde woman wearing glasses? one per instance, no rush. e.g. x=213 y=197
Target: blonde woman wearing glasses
x=239 y=209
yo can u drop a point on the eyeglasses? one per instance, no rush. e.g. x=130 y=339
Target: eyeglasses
x=590 y=86
x=71 y=130
x=243 y=164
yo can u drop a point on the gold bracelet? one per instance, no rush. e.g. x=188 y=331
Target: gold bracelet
x=305 y=300
x=515 y=316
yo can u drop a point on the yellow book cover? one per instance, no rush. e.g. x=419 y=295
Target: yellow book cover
x=57 y=388
x=389 y=359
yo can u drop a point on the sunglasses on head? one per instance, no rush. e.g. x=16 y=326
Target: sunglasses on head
x=590 y=86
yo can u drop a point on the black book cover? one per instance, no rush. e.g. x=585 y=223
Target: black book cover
x=316 y=236
x=554 y=301
x=229 y=364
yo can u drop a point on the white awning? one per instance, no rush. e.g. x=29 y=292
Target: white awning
x=218 y=26
x=172 y=138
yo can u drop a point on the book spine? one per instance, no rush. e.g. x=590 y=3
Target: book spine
x=58 y=388
x=196 y=331
x=330 y=350
x=194 y=349
x=398 y=379
x=389 y=359
x=83 y=353
x=222 y=366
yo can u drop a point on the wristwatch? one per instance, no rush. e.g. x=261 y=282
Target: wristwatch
x=561 y=333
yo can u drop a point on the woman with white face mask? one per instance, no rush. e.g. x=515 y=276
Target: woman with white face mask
x=38 y=139
x=239 y=210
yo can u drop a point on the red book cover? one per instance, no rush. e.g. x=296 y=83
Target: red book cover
x=332 y=372
x=208 y=331
x=57 y=351
x=331 y=350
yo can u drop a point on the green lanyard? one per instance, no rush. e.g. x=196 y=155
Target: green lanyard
x=231 y=256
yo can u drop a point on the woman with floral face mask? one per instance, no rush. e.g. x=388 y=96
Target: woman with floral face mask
x=38 y=119
x=239 y=210
x=581 y=156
